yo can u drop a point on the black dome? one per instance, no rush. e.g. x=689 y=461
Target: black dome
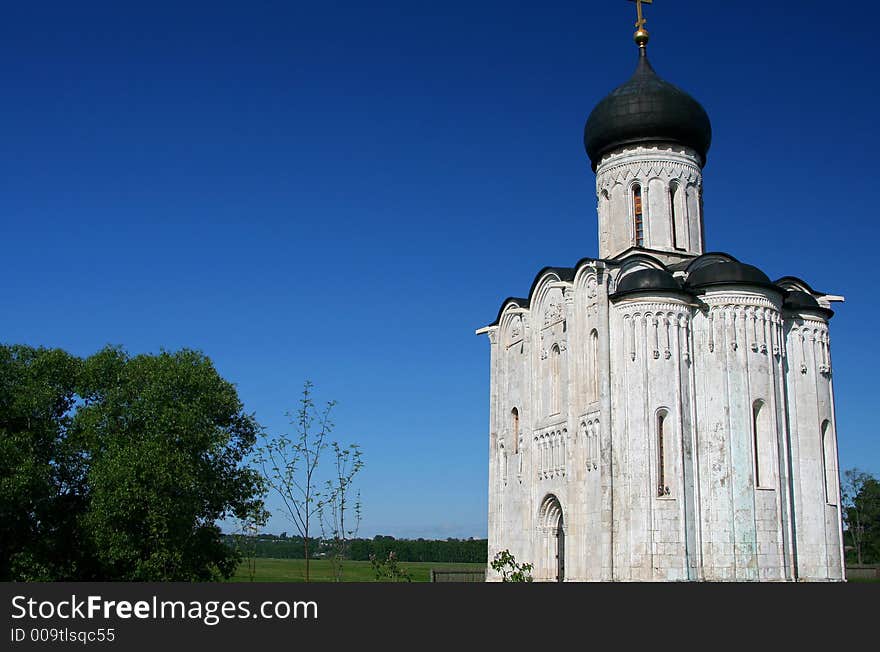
x=647 y=279
x=646 y=109
x=797 y=301
x=729 y=273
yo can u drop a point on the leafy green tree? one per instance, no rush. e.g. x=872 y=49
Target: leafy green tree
x=124 y=466
x=861 y=514
x=40 y=495
x=388 y=569
x=167 y=437
x=505 y=563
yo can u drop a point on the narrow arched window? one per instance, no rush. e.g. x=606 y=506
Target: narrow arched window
x=756 y=433
x=764 y=441
x=554 y=379
x=679 y=236
x=638 y=221
x=514 y=413
x=829 y=465
x=662 y=453
x=594 y=364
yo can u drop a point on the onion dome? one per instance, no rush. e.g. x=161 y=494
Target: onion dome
x=729 y=273
x=798 y=301
x=646 y=109
x=647 y=280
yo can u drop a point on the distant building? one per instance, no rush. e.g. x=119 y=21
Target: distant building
x=659 y=412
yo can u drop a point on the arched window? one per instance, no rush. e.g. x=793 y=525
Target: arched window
x=663 y=450
x=554 y=379
x=829 y=465
x=594 y=365
x=638 y=222
x=764 y=441
x=514 y=413
x=679 y=234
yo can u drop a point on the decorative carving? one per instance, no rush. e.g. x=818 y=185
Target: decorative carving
x=592 y=290
x=553 y=314
x=656 y=321
x=740 y=300
x=550 y=448
x=589 y=427
x=665 y=165
x=516 y=329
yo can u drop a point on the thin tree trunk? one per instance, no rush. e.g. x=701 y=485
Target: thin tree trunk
x=306 y=545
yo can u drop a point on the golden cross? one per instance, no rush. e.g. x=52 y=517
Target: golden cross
x=641 y=21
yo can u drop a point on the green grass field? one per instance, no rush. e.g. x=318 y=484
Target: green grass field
x=293 y=570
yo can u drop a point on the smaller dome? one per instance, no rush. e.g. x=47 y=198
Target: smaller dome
x=645 y=280
x=797 y=301
x=729 y=273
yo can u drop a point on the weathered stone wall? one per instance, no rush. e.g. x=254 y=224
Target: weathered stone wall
x=671 y=184
x=814 y=448
x=740 y=412
x=650 y=383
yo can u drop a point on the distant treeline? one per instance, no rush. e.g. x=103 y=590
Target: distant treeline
x=424 y=550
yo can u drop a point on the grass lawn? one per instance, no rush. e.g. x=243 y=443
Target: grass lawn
x=293 y=570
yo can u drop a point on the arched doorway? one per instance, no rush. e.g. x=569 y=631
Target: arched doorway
x=552 y=531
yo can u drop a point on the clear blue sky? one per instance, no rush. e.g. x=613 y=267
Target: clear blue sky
x=344 y=191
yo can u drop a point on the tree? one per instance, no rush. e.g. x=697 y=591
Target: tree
x=244 y=537
x=336 y=503
x=861 y=514
x=290 y=465
x=167 y=438
x=123 y=467
x=40 y=493
x=505 y=563
x=388 y=569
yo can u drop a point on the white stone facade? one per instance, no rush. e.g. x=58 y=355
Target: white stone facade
x=663 y=433
x=671 y=183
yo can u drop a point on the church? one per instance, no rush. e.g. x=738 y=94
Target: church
x=660 y=412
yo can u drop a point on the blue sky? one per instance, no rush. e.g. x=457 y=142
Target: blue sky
x=344 y=191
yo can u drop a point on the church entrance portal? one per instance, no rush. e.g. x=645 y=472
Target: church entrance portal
x=552 y=529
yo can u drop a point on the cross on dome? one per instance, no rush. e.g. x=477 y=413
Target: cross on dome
x=641 y=35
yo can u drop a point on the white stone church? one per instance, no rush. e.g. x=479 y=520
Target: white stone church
x=660 y=412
